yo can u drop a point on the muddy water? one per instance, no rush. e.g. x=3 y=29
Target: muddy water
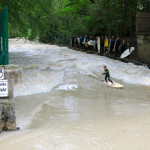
x=62 y=104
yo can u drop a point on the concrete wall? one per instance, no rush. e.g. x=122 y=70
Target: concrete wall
x=7 y=104
x=143 y=37
x=143 y=48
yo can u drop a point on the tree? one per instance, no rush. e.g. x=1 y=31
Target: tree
x=56 y=20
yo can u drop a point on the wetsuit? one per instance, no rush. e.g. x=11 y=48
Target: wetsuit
x=107 y=75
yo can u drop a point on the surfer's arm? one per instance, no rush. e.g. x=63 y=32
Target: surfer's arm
x=105 y=72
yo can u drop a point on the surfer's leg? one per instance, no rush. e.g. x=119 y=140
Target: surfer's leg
x=106 y=78
x=109 y=79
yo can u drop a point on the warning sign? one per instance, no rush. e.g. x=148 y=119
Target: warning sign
x=3 y=88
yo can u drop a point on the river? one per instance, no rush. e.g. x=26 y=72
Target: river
x=62 y=104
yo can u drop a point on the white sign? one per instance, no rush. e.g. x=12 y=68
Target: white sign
x=3 y=88
x=1 y=74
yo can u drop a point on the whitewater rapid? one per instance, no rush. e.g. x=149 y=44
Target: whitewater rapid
x=58 y=64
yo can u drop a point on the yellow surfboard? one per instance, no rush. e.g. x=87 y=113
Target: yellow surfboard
x=114 y=85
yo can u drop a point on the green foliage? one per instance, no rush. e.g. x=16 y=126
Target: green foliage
x=116 y=17
x=28 y=18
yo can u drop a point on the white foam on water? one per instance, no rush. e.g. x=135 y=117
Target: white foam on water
x=127 y=72
x=67 y=87
x=48 y=66
x=38 y=83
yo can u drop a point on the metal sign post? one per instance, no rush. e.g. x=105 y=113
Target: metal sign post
x=4 y=54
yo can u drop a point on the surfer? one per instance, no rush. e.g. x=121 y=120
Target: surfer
x=129 y=47
x=112 y=45
x=72 y=41
x=105 y=45
x=107 y=75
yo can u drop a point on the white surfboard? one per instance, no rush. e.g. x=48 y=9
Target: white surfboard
x=78 y=39
x=98 y=44
x=115 y=85
x=127 y=52
x=93 y=43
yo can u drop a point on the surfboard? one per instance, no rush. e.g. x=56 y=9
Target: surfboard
x=86 y=44
x=91 y=43
x=98 y=44
x=115 y=85
x=127 y=52
x=78 y=39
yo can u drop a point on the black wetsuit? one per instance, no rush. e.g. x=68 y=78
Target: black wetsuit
x=107 y=75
